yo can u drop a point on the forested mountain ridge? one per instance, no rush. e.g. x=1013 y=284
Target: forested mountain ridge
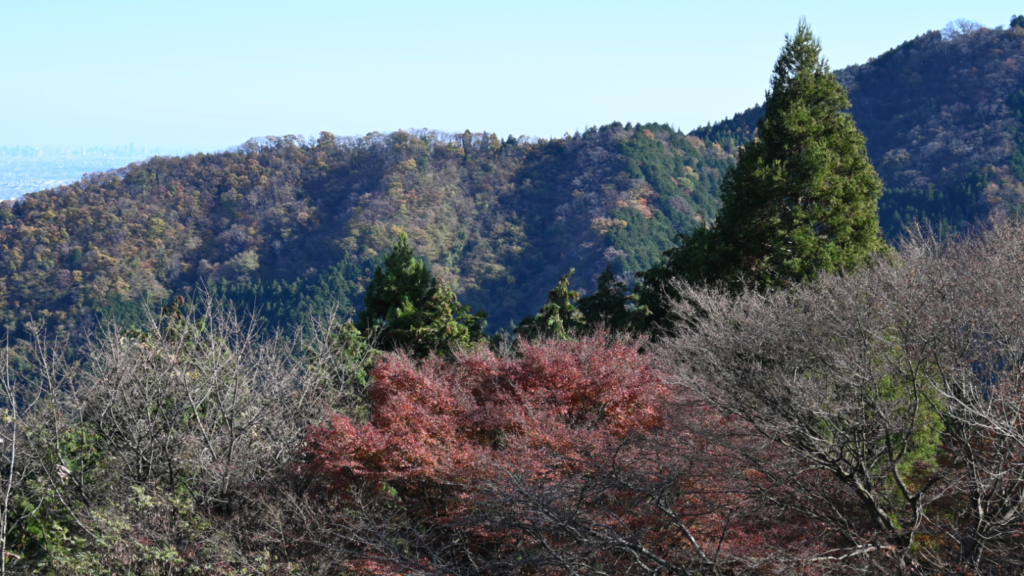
x=287 y=224
x=292 y=226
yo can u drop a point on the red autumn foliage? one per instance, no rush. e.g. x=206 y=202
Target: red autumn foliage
x=577 y=451
x=446 y=421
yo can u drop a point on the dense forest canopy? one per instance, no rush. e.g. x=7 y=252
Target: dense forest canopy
x=283 y=223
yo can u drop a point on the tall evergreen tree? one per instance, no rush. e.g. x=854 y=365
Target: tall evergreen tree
x=559 y=318
x=803 y=196
x=415 y=311
x=609 y=305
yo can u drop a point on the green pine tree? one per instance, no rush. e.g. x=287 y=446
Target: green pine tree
x=402 y=277
x=609 y=305
x=412 y=310
x=559 y=318
x=803 y=196
x=440 y=324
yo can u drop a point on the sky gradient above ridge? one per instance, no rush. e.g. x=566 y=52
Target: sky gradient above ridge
x=209 y=75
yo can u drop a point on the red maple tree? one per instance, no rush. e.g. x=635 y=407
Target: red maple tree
x=569 y=453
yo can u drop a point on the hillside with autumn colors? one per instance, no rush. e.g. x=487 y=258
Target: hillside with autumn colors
x=291 y=226
x=285 y=223
x=780 y=391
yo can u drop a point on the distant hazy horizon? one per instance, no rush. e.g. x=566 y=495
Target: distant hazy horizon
x=25 y=169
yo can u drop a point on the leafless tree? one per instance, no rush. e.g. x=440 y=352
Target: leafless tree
x=172 y=446
x=20 y=397
x=960 y=27
x=901 y=382
x=974 y=325
x=650 y=505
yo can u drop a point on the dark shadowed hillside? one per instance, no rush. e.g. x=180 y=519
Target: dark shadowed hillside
x=942 y=120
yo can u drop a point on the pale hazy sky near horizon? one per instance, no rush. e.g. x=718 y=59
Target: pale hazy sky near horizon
x=211 y=74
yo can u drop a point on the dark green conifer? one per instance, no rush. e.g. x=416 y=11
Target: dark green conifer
x=413 y=310
x=559 y=318
x=801 y=200
x=608 y=306
x=803 y=196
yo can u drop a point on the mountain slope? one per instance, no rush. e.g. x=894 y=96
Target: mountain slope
x=290 y=225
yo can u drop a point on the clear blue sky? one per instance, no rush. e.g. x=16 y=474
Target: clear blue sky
x=211 y=74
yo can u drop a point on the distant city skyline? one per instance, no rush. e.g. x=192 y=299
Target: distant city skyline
x=129 y=149
x=211 y=75
x=25 y=169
